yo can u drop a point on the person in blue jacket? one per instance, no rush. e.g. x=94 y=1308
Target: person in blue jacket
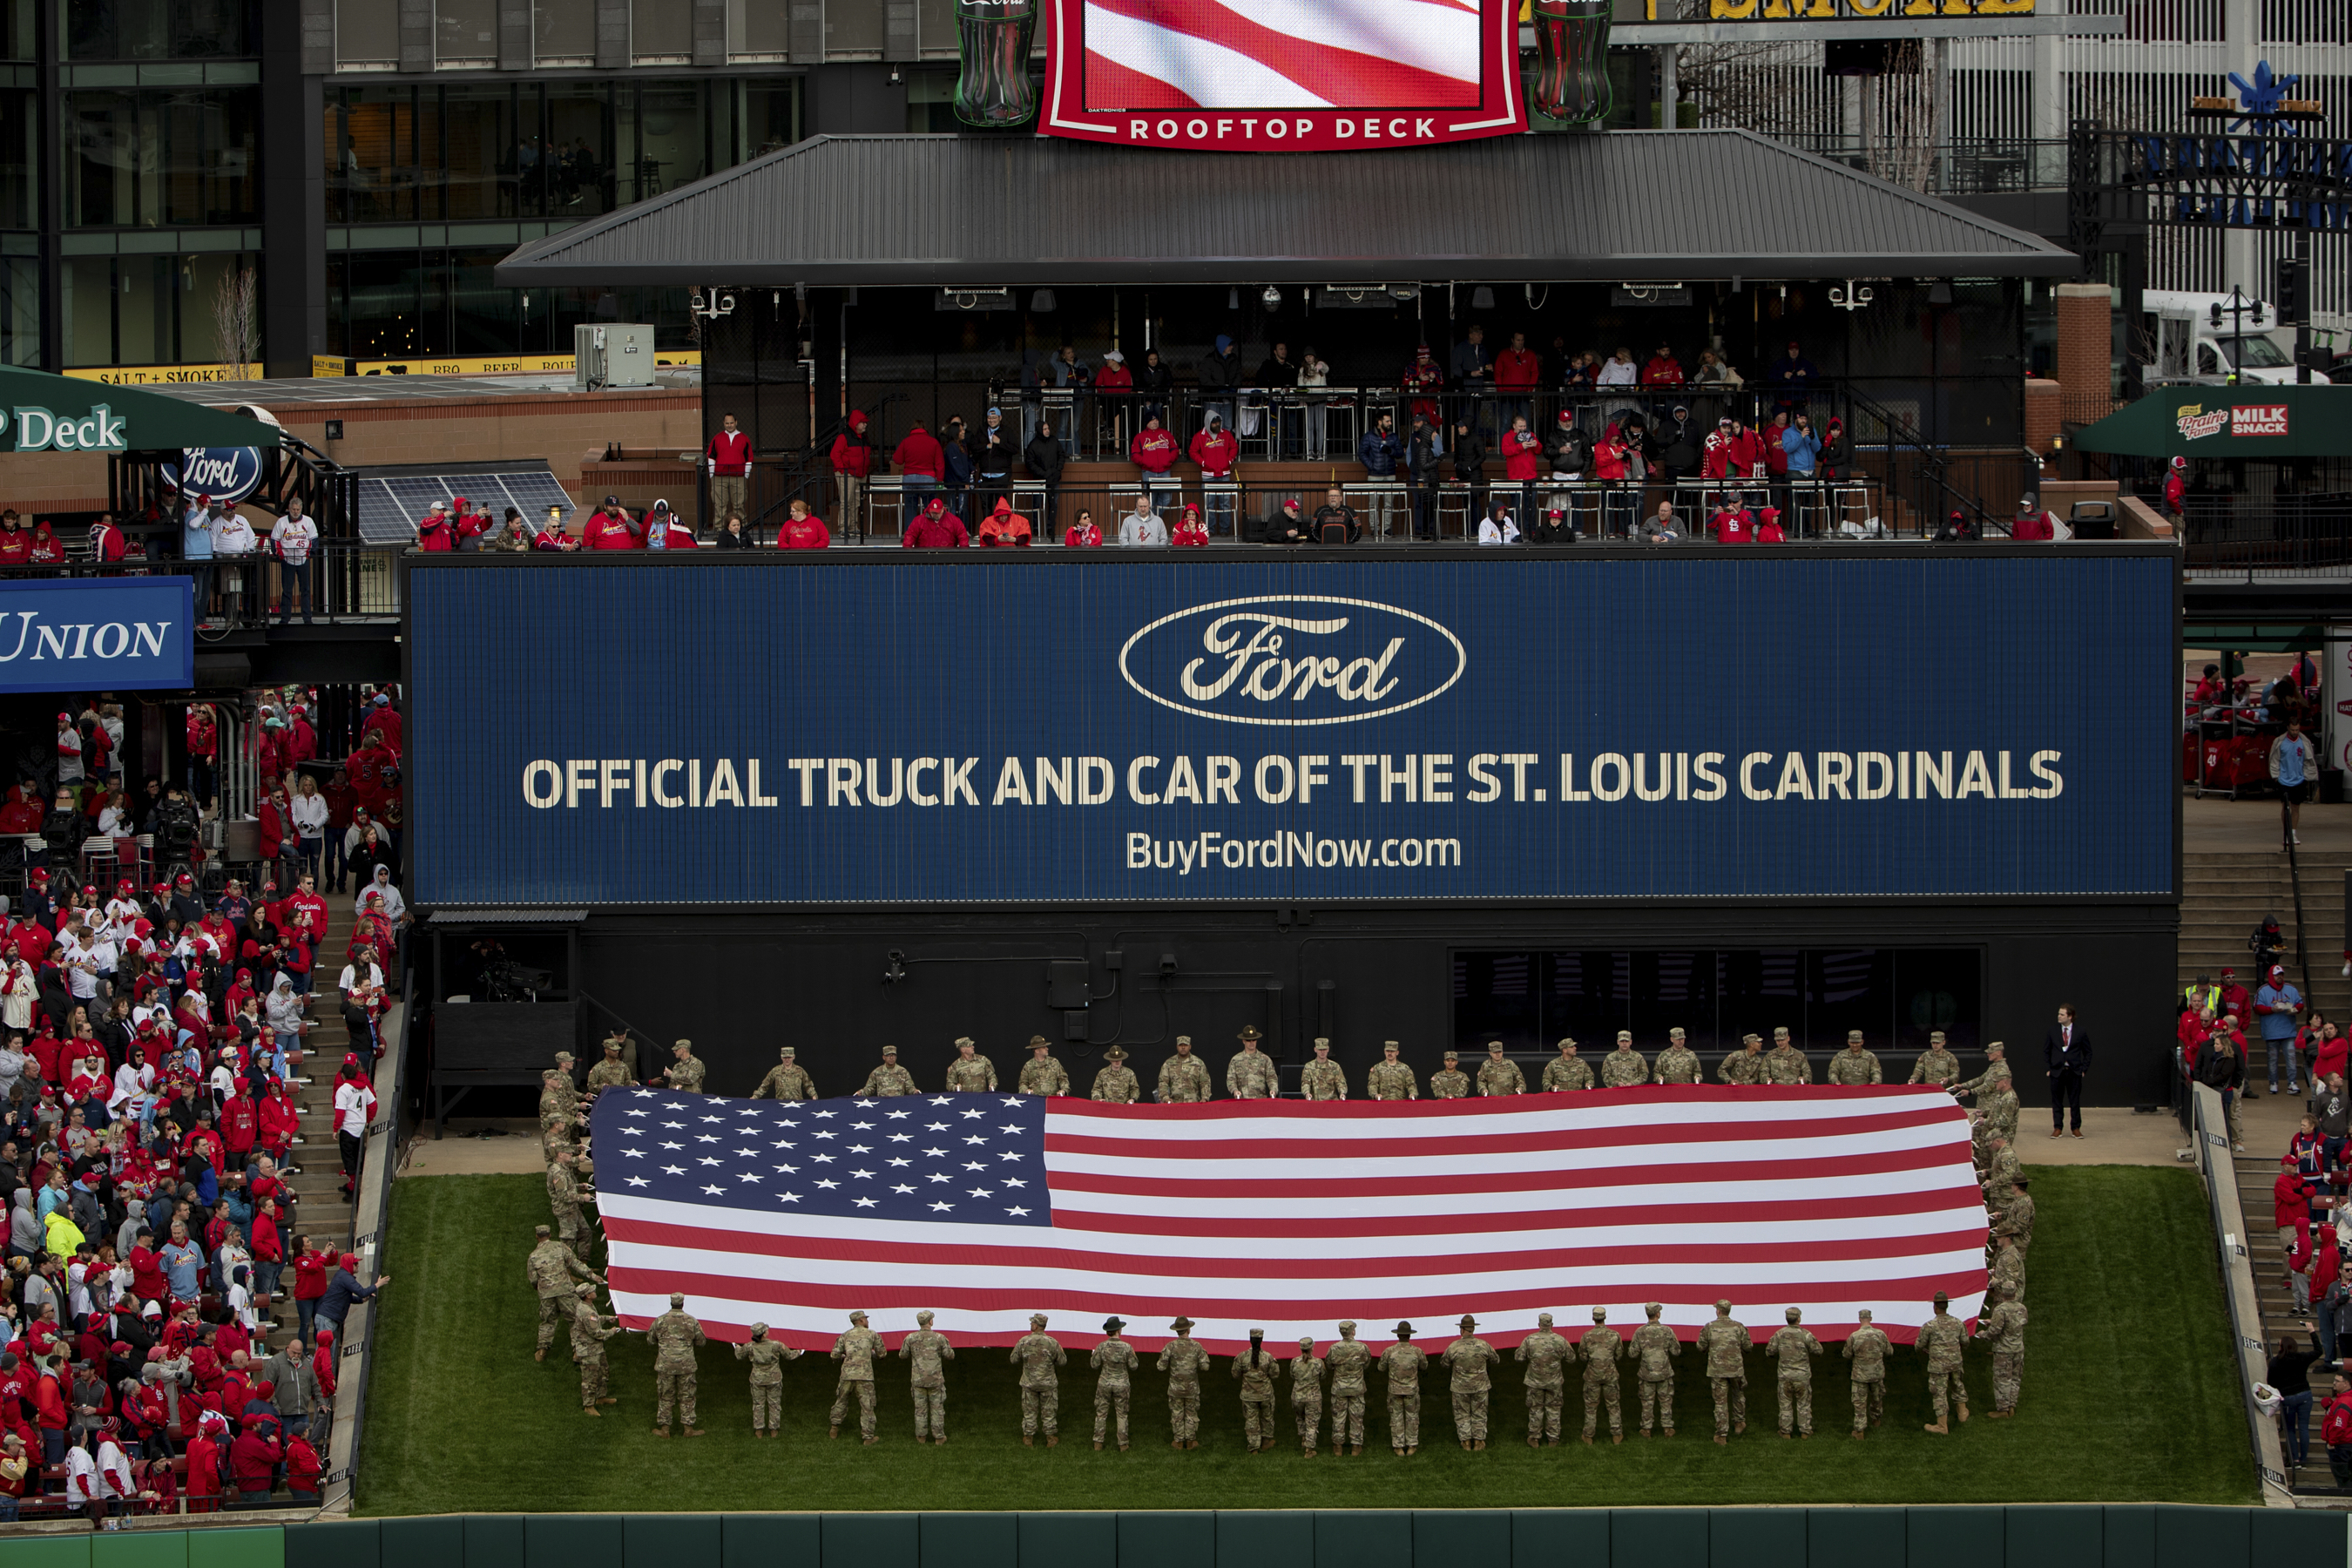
x=1379 y=451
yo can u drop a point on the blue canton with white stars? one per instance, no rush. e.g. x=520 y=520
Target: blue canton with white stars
x=972 y=1159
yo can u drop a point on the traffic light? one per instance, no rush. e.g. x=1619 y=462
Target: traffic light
x=2294 y=291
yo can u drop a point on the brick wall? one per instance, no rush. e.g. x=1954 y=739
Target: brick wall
x=2044 y=414
x=2085 y=351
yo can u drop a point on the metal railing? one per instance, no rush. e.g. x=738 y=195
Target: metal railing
x=348 y=579
x=1962 y=168
x=2210 y=1131
x=2285 y=535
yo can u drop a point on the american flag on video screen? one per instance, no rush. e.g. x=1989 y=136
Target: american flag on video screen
x=1281 y=54
x=1289 y=1216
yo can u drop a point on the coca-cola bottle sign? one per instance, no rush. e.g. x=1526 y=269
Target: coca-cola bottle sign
x=994 y=89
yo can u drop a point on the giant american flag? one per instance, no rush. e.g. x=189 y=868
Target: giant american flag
x=1289 y=1216
x=1282 y=54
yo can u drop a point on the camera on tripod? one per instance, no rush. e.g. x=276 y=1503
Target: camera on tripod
x=506 y=981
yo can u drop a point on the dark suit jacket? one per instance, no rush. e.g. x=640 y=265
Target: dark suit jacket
x=2066 y=1058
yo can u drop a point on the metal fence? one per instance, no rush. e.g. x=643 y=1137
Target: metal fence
x=2211 y=1134
x=2280 y=533
x=346 y=580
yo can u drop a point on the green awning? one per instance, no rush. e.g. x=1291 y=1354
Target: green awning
x=2228 y=423
x=46 y=413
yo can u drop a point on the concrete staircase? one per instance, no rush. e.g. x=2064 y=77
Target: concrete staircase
x=2256 y=1170
x=2226 y=893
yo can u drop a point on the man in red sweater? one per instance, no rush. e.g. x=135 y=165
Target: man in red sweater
x=935 y=527
x=729 y=457
x=1154 y=452
x=921 y=464
x=1516 y=370
x=609 y=527
x=1216 y=449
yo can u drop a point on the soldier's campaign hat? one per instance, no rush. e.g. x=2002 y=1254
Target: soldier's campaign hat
x=889 y=1050
x=2018 y=1181
x=784 y=1051
x=1600 y=1314
x=540 y=1229
x=1322 y=1042
x=615 y=1042
x=1568 y=1042
x=1183 y=1039
x=1454 y=1055
x=1543 y=1320
x=1249 y=1032
x=1723 y=1305
x=678 y=1298
x=1469 y=1321
x=1852 y=1036
x=1116 y=1054
x=1934 y=1036
x=1180 y=1324
x=1402 y=1331
x=924 y=1316
x=1793 y=1313
x=1113 y=1325
x=963 y=1040
x=758 y=1329
x=1388 y=1045
x=1624 y=1035
x=857 y=1317
x=563 y=1057
x=1040 y=1043
x=1347 y=1323
x=1942 y=1299
x=1036 y=1320
x=1496 y=1047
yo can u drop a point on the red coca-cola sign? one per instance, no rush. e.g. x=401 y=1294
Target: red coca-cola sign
x=1283 y=76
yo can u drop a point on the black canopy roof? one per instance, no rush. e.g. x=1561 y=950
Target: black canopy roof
x=1642 y=206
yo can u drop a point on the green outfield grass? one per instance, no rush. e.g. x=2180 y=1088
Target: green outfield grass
x=2130 y=1395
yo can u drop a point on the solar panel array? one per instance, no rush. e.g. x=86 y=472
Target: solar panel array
x=390 y=509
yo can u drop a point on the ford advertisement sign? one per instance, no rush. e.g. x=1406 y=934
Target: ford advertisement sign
x=782 y=732
x=115 y=633
x=225 y=473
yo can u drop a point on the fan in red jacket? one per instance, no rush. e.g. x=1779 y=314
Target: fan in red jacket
x=935 y=527
x=804 y=530
x=203 y=1455
x=1083 y=535
x=853 y=452
x=1717 y=457
x=1153 y=450
x=918 y=455
x=2176 y=486
x=610 y=527
x=1745 y=449
x=48 y=550
x=1732 y=525
x=1216 y=449
x=1768 y=527
x=2290 y=1200
x=1663 y=370
x=1190 y=532
x=24 y=811
x=302 y=1469
x=435 y=531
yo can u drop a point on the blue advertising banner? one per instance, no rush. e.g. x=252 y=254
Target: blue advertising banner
x=792 y=731
x=109 y=634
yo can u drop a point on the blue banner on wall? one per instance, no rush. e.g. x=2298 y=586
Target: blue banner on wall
x=112 y=634
x=1036 y=730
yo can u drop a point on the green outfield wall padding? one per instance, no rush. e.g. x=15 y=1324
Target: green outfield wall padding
x=2296 y=1535
x=1953 y=1538
x=2128 y=1534
x=2183 y=1537
x=1854 y=1537
x=1067 y=1540
x=673 y=1540
x=140 y=1549
x=424 y=1542
x=263 y=1546
x=1269 y=1538
x=762 y=1541
x=356 y=1543
x=45 y=1552
x=1757 y=1538
x=1620 y=1538
x=971 y=1541
x=569 y=1540
x=871 y=1540
x=2058 y=1535
x=492 y=1540
x=1167 y=1539
x=1360 y=1540
x=1461 y=1538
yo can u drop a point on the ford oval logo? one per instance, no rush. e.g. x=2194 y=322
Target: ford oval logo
x=225 y=473
x=1293 y=658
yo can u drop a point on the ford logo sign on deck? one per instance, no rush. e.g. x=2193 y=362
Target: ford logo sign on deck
x=1293 y=659
x=225 y=473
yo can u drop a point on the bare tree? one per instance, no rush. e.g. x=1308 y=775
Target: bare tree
x=236 y=316
x=1777 y=89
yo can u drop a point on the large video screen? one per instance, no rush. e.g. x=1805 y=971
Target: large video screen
x=1283 y=75
x=1038 y=730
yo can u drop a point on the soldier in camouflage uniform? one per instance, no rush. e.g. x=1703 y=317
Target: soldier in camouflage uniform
x=1745 y=1065
x=2007 y=1267
x=1856 y=1065
x=1794 y=1347
x=1116 y=1359
x=1250 y=1074
x=1677 y=1063
x=2001 y=1165
x=856 y=1349
x=563 y=1198
x=1655 y=1350
x=2016 y=1221
x=1349 y=1362
x=1996 y=1067
x=2005 y=1326
x=611 y=1073
x=1784 y=1063
x=559 y=1136
x=1401 y=1363
x=1600 y=1348
x=627 y=1049
x=928 y=1352
x=1940 y=1340
x=675 y=1335
x=1469 y=1386
x=590 y=1330
x=1037 y=1354
x=1567 y=1072
x=1257 y=1370
x=767 y=1357
x=1183 y=1077
x=786 y=1081
x=1724 y=1342
x=1936 y=1065
x=1391 y=1078
x=1999 y=1110
x=1449 y=1082
x=1307 y=1393
x=556 y=1090
x=1547 y=1352
x=1866 y=1347
x=1040 y=1074
x=1115 y=1084
x=969 y=1073
x=888 y=1080
x=1323 y=1079
x=1624 y=1066
x=1183 y=1360
x=550 y=1268
x=685 y=1073
x=1499 y=1075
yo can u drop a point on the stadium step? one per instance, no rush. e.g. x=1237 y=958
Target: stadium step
x=2225 y=894
x=2256 y=1169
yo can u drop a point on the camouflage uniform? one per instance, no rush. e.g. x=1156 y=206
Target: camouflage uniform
x=930 y=1352
x=1323 y=1079
x=2000 y=1110
x=1307 y=1394
x=1391 y=1080
x=627 y=1046
x=2008 y=1271
x=557 y=1096
x=1936 y=1065
x=558 y=1138
x=2001 y=1170
x=1996 y=1067
x=1600 y=1349
x=1257 y=1376
x=563 y=1199
x=1624 y=1066
x=1677 y=1064
x=1250 y=1075
x=1043 y=1075
x=786 y=1081
x=1183 y=1360
x=1547 y=1352
x=675 y=1335
x=589 y=1332
x=1183 y=1080
x=1402 y=1362
x=1853 y=1067
x=1116 y=1359
x=1785 y=1064
x=1940 y=1341
x=1655 y=1348
x=551 y=1269
x=1566 y=1074
x=1866 y=1347
x=1449 y=1082
x=2016 y=1222
x=1745 y=1065
x=1499 y=1076
x=610 y=1073
x=2005 y=1326
x=1349 y=1362
x=1116 y=1085
x=767 y=1358
x=887 y=1081
x=1467 y=1359
x=1724 y=1342
x=973 y=1074
x=1037 y=1355
x=856 y=1349
x=685 y=1076
x=1795 y=1347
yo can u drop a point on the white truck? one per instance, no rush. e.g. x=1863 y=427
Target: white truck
x=2189 y=345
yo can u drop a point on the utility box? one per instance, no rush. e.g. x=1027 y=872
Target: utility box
x=611 y=355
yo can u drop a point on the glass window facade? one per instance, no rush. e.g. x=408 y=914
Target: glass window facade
x=145 y=309
x=158 y=29
x=154 y=157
